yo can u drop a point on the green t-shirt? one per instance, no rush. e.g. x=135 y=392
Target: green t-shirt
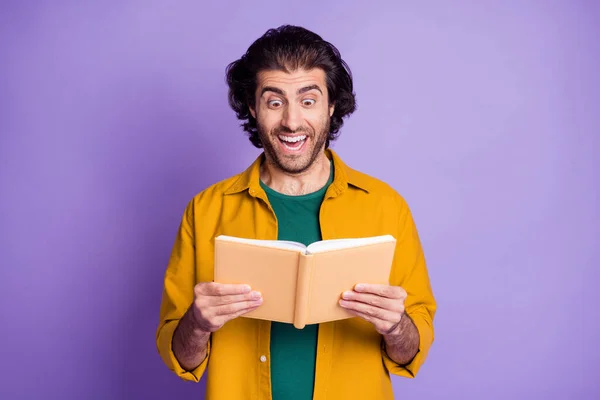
x=293 y=351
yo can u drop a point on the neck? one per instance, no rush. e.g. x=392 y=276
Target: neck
x=309 y=181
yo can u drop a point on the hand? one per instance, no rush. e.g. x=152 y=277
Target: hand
x=381 y=305
x=215 y=304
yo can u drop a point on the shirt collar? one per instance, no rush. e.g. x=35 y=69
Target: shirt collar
x=343 y=176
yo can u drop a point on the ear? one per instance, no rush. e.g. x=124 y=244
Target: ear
x=252 y=111
x=331 y=109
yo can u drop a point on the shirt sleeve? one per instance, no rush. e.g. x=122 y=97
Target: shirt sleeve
x=410 y=272
x=178 y=295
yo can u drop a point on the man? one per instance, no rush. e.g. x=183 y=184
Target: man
x=292 y=90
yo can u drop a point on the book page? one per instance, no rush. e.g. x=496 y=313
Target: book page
x=338 y=244
x=274 y=244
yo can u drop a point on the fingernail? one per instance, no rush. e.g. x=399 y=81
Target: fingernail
x=359 y=287
x=346 y=295
x=247 y=288
x=255 y=295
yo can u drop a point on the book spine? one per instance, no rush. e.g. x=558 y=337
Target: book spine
x=303 y=290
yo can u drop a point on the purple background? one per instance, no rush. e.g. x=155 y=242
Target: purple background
x=484 y=116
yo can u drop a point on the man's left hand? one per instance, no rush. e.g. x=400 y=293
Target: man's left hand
x=381 y=305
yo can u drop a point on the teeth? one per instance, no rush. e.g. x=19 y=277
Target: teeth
x=292 y=139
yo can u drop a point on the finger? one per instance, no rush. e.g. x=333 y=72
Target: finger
x=391 y=292
x=381 y=326
x=220 y=289
x=223 y=319
x=219 y=320
x=242 y=312
x=374 y=300
x=233 y=298
x=374 y=312
x=231 y=309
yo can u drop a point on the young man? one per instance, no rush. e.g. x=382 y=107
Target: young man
x=292 y=90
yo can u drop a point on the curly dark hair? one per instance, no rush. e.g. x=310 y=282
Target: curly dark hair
x=289 y=48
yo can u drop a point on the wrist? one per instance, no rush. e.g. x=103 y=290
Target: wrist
x=397 y=330
x=195 y=323
x=402 y=345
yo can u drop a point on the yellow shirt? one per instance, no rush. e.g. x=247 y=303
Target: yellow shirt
x=350 y=361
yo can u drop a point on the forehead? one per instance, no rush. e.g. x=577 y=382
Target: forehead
x=290 y=81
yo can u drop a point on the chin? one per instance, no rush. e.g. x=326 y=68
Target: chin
x=296 y=167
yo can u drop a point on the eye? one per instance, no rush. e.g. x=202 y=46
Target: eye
x=308 y=102
x=275 y=103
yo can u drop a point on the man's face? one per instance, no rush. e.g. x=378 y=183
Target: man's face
x=292 y=115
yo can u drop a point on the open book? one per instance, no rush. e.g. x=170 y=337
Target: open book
x=302 y=284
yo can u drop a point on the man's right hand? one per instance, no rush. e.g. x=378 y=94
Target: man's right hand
x=216 y=303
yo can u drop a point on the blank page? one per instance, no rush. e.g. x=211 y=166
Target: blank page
x=337 y=244
x=275 y=244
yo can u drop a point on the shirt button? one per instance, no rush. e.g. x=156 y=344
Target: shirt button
x=263 y=358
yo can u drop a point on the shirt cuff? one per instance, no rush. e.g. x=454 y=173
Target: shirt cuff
x=165 y=349
x=425 y=340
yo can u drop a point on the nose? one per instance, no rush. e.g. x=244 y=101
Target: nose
x=292 y=117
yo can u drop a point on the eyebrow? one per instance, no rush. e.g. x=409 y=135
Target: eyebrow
x=282 y=93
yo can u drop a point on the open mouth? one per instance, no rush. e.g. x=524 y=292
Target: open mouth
x=293 y=143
